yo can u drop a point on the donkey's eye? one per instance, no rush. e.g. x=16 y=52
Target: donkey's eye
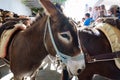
x=66 y=36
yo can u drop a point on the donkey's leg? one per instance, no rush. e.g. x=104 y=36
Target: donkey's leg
x=17 y=78
x=65 y=74
x=86 y=74
x=34 y=75
x=33 y=78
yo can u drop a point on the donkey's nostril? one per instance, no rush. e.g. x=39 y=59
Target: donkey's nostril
x=79 y=70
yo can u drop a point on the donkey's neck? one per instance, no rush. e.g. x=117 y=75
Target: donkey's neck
x=37 y=27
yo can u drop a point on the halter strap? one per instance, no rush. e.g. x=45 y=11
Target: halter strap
x=62 y=56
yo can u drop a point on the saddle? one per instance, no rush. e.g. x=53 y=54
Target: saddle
x=113 y=35
x=6 y=32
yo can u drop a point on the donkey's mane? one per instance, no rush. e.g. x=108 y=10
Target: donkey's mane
x=37 y=19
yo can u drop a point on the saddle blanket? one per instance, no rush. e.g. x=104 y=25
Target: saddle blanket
x=113 y=35
x=5 y=37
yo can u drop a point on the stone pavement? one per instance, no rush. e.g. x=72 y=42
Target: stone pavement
x=45 y=74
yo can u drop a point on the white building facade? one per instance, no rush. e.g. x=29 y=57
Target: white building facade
x=15 y=6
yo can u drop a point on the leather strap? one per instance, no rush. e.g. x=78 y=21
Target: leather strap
x=104 y=57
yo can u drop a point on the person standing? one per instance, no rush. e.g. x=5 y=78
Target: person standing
x=90 y=11
x=103 y=11
x=88 y=20
x=95 y=13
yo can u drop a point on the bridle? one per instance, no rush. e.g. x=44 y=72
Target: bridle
x=61 y=55
x=66 y=60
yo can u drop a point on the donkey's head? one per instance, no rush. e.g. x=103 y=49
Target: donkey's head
x=63 y=31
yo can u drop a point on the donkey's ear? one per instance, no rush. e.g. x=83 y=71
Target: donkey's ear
x=49 y=7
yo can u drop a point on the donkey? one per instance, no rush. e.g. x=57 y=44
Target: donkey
x=100 y=51
x=52 y=34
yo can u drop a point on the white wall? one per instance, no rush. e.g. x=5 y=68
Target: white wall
x=15 y=6
x=76 y=8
